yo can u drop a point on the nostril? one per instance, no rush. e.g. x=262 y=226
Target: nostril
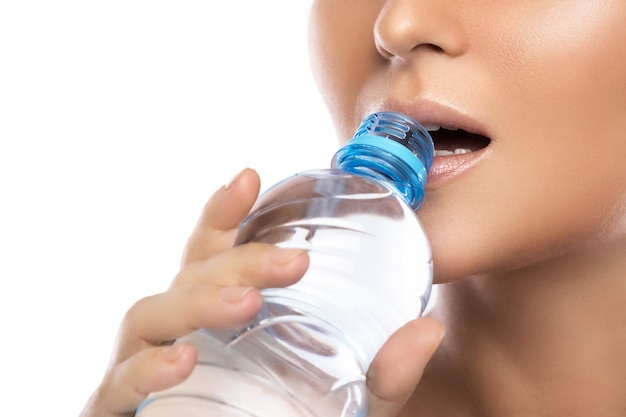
x=433 y=47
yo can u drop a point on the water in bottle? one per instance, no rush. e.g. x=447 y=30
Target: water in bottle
x=308 y=350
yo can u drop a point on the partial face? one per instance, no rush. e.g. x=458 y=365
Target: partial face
x=541 y=87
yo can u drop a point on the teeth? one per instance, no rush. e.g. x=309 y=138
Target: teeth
x=432 y=128
x=444 y=152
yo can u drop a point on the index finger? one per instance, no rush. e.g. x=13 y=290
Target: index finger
x=220 y=217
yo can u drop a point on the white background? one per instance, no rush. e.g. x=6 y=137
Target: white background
x=118 y=118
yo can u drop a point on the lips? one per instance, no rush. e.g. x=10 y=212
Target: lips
x=460 y=140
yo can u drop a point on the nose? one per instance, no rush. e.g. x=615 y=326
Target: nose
x=404 y=26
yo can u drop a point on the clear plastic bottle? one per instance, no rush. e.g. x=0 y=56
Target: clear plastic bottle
x=308 y=350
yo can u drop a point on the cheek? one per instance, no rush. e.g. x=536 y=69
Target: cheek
x=343 y=55
x=561 y=58
x=567 y=105
x=555 y=90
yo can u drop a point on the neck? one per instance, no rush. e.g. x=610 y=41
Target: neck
x=543 y=341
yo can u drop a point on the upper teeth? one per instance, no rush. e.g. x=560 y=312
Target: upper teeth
x=434 y=128
x=458 y=151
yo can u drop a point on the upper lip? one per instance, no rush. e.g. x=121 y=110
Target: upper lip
x=433 y=113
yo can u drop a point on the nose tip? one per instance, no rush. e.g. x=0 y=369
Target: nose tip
x=404 y=26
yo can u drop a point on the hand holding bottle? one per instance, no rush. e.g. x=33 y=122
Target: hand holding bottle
x=217 y=287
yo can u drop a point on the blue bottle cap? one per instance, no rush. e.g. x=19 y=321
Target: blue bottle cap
x=390 y=146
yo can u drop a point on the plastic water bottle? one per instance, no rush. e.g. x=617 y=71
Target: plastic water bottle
x=308 y=350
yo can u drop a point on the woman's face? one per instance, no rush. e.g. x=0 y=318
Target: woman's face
x=540 y=84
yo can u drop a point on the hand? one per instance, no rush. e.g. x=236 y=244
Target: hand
x=217 y=287
x=398 y=366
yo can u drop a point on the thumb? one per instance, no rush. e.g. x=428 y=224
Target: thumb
x=398 y=366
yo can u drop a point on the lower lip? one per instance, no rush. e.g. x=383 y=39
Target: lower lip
x=446 y=168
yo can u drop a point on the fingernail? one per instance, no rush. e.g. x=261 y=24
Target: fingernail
x=235 y=179
x=172 y=353
x=234 y=294
x=282 y=256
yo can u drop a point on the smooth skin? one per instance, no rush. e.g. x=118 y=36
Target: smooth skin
x=218 y=287
x=530 y=241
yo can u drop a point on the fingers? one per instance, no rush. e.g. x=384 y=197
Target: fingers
x=216 y=288
x=255 y=264
x=128 y=383
x=225 y=210
x=398 y=366
x=221 y=292
x=200 y=295
x=180 y=311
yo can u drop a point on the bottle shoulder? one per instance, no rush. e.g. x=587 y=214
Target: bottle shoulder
x=327 y=197
x=328 y=184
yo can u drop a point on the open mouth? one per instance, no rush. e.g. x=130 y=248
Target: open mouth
x=452 y=141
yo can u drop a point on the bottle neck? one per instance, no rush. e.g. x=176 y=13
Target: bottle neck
x=385 y=160
x=393 y=148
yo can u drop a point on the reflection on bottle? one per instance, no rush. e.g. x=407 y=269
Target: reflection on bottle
x=308 y=350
